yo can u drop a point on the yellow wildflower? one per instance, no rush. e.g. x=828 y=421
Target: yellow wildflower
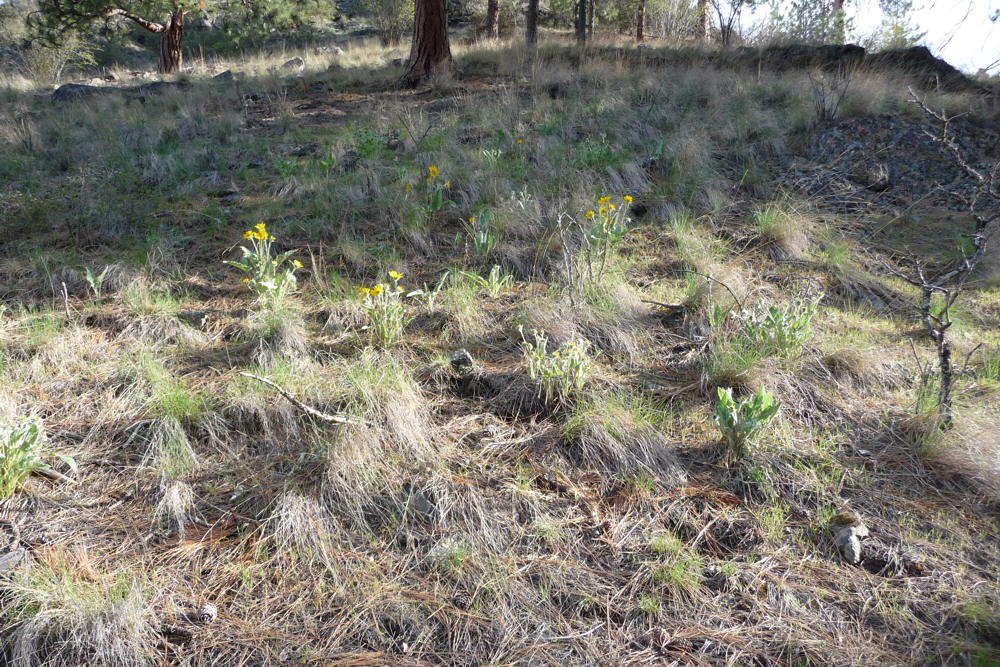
x=448 y=185
x=603 y=210
x=611 y=207
x=604 y=200
x=395 y=275
x=628 y=199
x=590 y=215
x=297 y=264
x=472 y=220
x=248 y=234
x=407 y=188
x=261 y=233
x=375 y=291
x=272 y=239
x=363 y=291
x=433 y=172
x=246 y=281
x=520 y=141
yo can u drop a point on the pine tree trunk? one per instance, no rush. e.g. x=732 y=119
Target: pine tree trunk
x=839 y=22
x=640 y=22
x=170 y=44
x=581 y=22
x=531 y=23
x=493 y=19
x=430 y=52
x=704 y=21
x=590 y=18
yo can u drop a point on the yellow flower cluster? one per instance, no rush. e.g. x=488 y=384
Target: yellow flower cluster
x=432 y=173
x=380 y=288
x=606 y=206
x=259 y=233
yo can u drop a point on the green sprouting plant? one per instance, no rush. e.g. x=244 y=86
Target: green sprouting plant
x=286 y=167
x=368 y=142
x=561 y=374
x=20 y=454
x=492 y=156
x=603 y=232
x=270 y=277
x=429 y=295
x=482 y=233
x=96 y=281
x=327 y=162
x=740 y=421
x=435 y=193
x=780 y=330
x=387 y=312
x=495 y=282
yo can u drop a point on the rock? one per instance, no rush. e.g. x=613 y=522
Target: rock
x=11 y=560
x=78 y=91
x=224 y=76
x=848 y=531
x=294 y=63
x=872 y=176
x=349 y=160
x=462 y=361
x=305 y=149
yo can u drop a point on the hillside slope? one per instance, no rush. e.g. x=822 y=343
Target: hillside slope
x=429 y=482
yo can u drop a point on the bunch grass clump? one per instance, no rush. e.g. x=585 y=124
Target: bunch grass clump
x=64 y=613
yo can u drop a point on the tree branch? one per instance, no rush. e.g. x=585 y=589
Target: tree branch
x=151 y=26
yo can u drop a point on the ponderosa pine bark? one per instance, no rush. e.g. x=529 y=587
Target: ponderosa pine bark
x=171 y=55
x=581 y=22
x=704 y=21
x=531 y=23
x=640 y=22
x=492 y=27
x=430 y=52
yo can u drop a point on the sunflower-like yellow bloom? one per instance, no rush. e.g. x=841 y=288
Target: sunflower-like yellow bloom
x=261 y=232
x=432 y=173
x=407 y=187
x=472 y=220
x=377 y=289
x=628 y=199
x=248 y=234
x=603 y=210
x=589 y=215
x=395 y=275
x=604 y=200
x=297 y=264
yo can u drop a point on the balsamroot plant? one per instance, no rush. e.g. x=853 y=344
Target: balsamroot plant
x=779 y=330
x=607 y=226
x=270 y=277
x=741 y=421
x=434 y=194
x=561 y=374
x=482 y=233
x=387 y=312
x=21 y=448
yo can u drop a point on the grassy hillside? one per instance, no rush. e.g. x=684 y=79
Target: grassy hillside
x=512 y=459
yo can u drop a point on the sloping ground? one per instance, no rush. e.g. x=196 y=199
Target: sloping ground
x=460 y=518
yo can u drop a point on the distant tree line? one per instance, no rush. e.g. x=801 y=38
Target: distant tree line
x=44 y=38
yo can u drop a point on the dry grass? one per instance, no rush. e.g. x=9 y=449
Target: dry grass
x=456 y=519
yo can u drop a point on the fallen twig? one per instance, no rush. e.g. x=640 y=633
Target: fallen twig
x=333 y=419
